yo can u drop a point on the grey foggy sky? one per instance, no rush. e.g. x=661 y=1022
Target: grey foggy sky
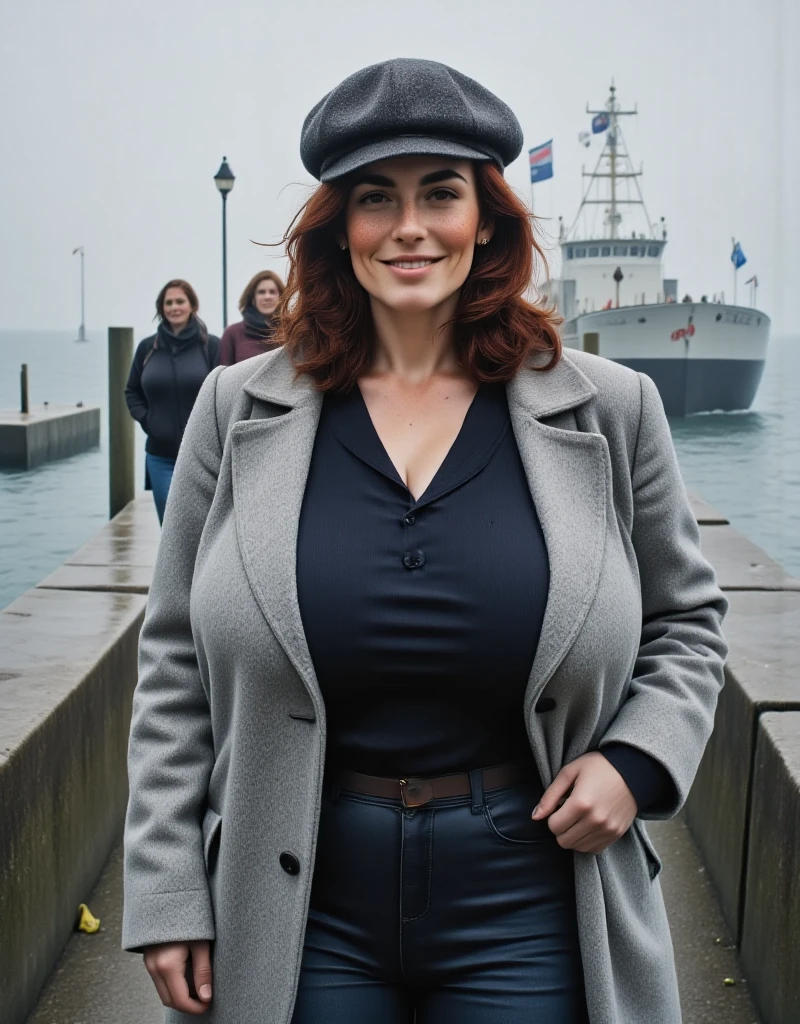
x=114 y=120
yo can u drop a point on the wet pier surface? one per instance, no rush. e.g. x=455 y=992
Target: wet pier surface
x=97 y=983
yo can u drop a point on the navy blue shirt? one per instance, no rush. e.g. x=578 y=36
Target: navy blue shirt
x=423 y=617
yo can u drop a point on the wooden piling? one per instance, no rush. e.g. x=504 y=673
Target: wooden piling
x=121 y=427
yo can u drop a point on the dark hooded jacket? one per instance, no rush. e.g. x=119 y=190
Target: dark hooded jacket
x=167 y=373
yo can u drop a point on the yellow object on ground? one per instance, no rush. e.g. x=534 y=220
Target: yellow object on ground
x=87 y=922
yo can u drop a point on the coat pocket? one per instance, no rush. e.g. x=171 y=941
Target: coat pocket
x=652 y=857
x=212 y=824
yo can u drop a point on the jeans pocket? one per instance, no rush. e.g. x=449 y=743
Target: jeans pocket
x=508 y=816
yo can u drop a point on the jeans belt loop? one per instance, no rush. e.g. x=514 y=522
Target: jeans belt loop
x=476 y=789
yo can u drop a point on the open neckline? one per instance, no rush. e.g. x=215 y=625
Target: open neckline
x=482 y=429
x=442 y=465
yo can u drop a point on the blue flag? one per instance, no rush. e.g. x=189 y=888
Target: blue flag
x=599 y=123
x=738 y=258
x=541 y=162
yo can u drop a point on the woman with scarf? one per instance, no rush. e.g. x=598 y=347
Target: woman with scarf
x=252 y=336
x=167 y=372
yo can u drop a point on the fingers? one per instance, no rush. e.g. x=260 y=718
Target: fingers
x=598 y=810
x=166 y=965
x=556 y=791
x=201 y=969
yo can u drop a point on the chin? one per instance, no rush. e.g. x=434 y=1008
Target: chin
x=414 y=301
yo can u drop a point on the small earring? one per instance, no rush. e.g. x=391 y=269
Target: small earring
x=344 y=248
x=484 y=241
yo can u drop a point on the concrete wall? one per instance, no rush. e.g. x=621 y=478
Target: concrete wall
x=67 y=674
x=27 y=441
x=771 y=928
x=744 y=807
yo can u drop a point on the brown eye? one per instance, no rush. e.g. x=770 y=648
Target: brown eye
x=373 y=198
x=443 y=194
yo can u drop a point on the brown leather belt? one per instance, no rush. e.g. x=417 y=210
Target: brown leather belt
x=414 y=792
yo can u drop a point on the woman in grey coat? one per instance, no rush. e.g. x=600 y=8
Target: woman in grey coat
x=429 y=633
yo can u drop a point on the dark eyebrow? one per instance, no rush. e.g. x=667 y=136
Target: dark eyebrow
x=381 y=181
x=436 y=176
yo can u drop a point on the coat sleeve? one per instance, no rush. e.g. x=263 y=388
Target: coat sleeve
x=134 y=394
x=669 y=710
x=171 y=753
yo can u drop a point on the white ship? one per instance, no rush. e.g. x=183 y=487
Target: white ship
x=702 y=355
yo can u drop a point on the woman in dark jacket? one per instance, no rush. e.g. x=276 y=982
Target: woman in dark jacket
x=168 y=370
x=252 y=336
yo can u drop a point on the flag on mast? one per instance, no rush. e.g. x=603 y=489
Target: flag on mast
x=541 y=162
x=738 y=258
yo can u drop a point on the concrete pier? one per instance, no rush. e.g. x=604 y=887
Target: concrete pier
x=47 y=433
x=67 y=669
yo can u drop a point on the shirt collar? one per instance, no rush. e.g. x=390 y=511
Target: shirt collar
x=485 y=424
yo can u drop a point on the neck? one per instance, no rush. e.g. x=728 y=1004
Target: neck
x=414 y=345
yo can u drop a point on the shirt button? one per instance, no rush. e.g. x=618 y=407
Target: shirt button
x=409 y=520
x=413 y=559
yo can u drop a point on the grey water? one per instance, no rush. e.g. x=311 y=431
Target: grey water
x=746 y=464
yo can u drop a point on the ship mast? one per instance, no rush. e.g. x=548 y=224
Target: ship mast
x=620 y=168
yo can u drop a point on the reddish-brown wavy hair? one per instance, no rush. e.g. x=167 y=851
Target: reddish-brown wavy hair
x=326 y=323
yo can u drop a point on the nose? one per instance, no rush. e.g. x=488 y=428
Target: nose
x=409 y=227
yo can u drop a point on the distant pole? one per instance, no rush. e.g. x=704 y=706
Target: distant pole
x=224 y=179
x=224 y=260
x=121 y=428
x=82 y=328
x=23 y=387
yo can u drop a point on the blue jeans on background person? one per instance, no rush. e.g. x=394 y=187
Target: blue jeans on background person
x=159 y=472
x=461 y=911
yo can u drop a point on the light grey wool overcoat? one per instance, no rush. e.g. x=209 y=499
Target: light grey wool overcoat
x=228 y=736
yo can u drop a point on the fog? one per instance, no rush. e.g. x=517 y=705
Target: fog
x=115 y=118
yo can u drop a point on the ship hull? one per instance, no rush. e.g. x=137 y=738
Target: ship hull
x=702 y=357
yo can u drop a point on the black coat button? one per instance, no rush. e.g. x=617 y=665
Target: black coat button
x=413 y=559
x=409 y=520
x=545 y=704
x=289 y=863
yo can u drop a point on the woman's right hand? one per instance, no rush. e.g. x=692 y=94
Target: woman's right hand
x=169 y=963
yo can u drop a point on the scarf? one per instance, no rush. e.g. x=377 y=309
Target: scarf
x=256 y=325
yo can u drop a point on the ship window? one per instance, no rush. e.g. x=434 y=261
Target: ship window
x=620 y=250
x=653 y=250
x=634 y=250
x=580 y=252
x=569 y=252
x=605 y=250
x=594 y=250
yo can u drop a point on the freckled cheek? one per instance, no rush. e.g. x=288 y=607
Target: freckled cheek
x=366 y=234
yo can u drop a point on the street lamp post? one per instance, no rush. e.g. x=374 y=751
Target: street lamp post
x=224 y=180
x=82 y=328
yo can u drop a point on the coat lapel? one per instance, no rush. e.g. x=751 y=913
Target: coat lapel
x=271 y=454
x=568 y=474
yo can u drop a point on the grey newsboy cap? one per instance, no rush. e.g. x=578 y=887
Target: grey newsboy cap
x=406 y=107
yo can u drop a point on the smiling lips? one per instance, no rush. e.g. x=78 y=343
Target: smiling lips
x=409 y=266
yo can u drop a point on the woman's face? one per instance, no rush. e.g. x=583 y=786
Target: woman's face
x=266 y=297
x=412 y=224
x=177 y=308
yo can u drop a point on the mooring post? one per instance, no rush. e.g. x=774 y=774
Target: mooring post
x=121 y=428
x=25 y=405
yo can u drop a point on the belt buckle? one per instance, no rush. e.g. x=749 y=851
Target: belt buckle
x=415 y=792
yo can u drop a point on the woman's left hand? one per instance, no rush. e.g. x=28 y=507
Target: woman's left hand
x=598 y=810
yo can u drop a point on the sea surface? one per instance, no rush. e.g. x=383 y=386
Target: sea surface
x=746 y=464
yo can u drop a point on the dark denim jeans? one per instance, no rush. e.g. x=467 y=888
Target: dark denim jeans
x=159 y=471
x=458 y=912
